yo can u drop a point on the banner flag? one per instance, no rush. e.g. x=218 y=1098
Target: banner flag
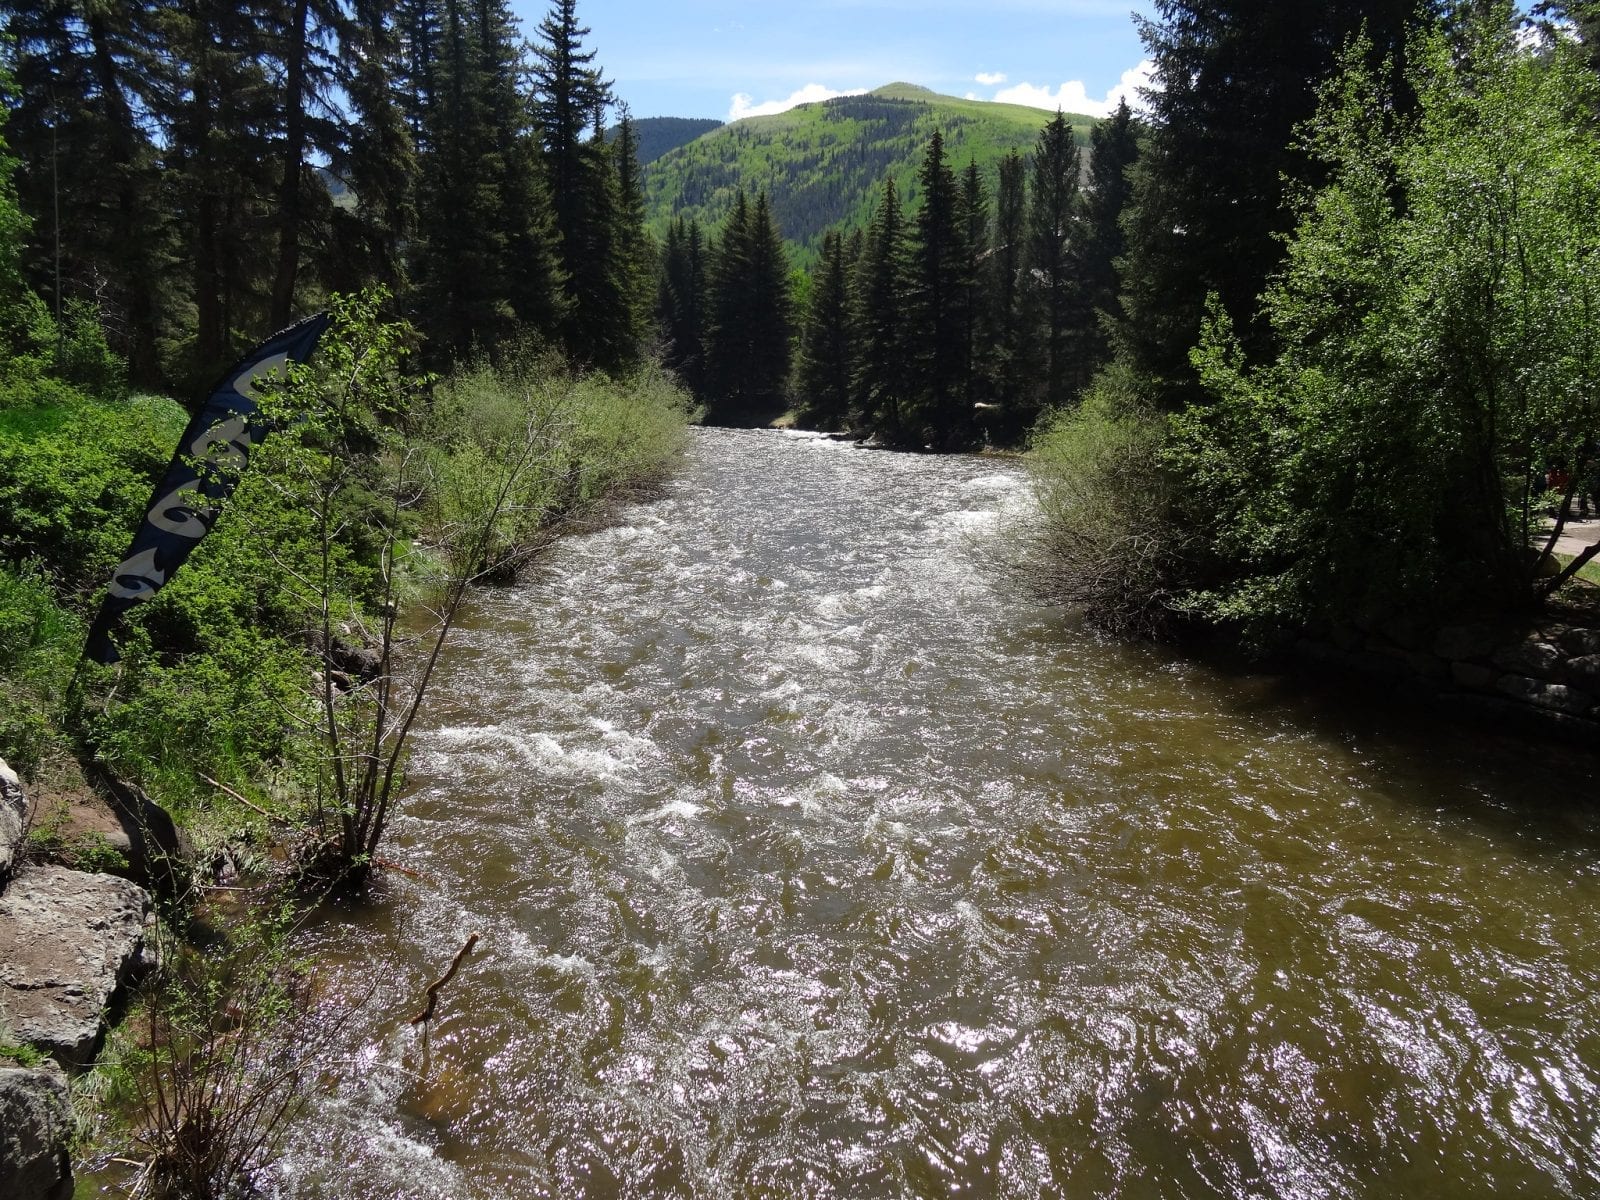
x=203 y=474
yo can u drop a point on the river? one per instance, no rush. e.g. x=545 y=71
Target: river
x=813 y=855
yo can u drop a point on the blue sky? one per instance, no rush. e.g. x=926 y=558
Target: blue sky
x=717 y=58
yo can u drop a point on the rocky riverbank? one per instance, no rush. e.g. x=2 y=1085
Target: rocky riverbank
x=71 y=942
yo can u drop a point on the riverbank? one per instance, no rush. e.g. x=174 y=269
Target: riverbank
x=208 y=712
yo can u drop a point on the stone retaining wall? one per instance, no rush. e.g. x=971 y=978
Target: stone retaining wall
x=1544 y=674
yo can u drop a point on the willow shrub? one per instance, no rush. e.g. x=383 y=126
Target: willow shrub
x=1438 y=318
x=596 y=437
x=1112 y=545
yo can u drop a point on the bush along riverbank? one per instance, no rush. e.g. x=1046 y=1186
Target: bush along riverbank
x=254 y=733
x=1370 y=491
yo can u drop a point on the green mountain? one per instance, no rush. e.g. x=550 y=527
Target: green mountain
x=823 y=163
x=658 y=135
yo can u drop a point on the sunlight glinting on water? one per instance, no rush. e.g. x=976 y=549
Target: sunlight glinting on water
x=813 y=856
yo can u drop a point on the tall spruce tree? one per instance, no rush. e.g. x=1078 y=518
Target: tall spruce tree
x=377 y=157
x=975 y=350
x=681 y=304
x=1101 y=244
x=218 y=111
x=1056 y=291
x=1234 y=79
x=1010 y=350
x=89 y=182
x=828 y=346
x=936 y=319
x=752 y=328
x=882 y=281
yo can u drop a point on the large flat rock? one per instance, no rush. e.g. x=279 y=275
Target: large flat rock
x=35 y=1135
x=68 y=941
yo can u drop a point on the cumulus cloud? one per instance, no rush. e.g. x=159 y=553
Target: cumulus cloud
x=990 y=78
x=1073 y=97
x=744 y=104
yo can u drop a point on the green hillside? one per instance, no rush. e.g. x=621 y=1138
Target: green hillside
x=658 y=135
x=823 y=163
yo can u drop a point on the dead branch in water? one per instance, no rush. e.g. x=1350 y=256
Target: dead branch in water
x=433 y=988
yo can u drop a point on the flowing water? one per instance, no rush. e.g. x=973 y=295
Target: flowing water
x=814 y=856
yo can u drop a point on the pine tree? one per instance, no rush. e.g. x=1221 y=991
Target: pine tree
x=751 y=331
x=1056 y=291
x=1234 y=80
x=1113 y=149
x=89 y=180
x=302 y=41
x=681 y=304
x=217 y=108
x=377 y=158
x=828 y=353
x=937 y=328
x=976 y=353
x=882 y=372
x=1009 y=365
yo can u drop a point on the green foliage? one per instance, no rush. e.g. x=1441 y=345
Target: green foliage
x=825 y=164
x=1114 y=544
x=39 y=642
x=1437 y=314
x=751 y=316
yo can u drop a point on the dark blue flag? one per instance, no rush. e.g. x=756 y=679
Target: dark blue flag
x=203 y=474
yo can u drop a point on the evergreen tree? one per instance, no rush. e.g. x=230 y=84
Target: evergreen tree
x=828 y=353
x=377 y=158
x=1101 y=245
x=89 y=181
x=1008 y=365
x=681 y=304
x=302 y=45
x=937 y=329
x=217 y=108
x=751 y=329
x=1056 y=291
x=570 y=97
x=1235 y=78
x=882 y=370
x=974 y=217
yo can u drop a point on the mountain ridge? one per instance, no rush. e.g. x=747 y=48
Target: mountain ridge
x=824 y=162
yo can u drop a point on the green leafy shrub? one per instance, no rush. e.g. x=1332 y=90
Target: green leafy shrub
x=1112 y=544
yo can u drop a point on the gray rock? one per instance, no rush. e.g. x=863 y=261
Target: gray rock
x=1585 y=671
x=1530 y=658
x=13 y=819
x=35 y=1133
x=1464 y=641
x=1581 y=642
x=68 y=942
x=159 y=849
x=1554 y=696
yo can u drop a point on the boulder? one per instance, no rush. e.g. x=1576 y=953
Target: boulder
x=1471 y=675
x=13 y=819
x=159 y=849
x=1555 y=696
x=1529 y=658
x=68 y=943
x=1581 y=642
x=1585 y=671
x=35 y=1134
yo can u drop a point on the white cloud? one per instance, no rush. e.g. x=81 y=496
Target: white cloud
x=744 y=104
x=990 y=78
x=1073 y=97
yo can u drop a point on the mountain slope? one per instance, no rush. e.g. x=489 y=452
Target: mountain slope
x=658 y=135
x=824 y=163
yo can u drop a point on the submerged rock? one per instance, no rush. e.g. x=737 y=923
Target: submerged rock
x=68 y=942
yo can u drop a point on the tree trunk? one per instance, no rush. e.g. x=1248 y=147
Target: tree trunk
x=290 y=190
